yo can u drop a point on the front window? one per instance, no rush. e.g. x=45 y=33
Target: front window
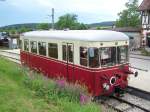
x=93 y=57
x=108 y=56
x=122 y=54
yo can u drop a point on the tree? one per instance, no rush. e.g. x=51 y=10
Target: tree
x=69 y=21
x=43 y=26
x=129 y=17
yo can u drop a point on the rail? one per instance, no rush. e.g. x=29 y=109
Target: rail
x=134 y=100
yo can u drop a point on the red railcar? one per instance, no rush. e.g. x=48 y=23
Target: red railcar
x=97 y=59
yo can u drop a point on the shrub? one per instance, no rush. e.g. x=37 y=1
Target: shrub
x=145 y=52
x=55 y=89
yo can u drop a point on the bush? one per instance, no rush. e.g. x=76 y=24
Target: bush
x=55 y=89
x=30 y=91
x=145 y=52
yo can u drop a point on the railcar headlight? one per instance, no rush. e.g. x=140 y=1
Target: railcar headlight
x=106 y=86
x=112 y=80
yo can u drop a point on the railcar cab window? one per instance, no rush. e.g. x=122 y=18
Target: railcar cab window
x=83 y=56
x=108 y=56
x=26 y=45
x=42 y=48
x=93 y=54
x=33 y=45
x=122 y=54
x=53 y=50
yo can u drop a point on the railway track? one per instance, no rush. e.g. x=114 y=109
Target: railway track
x=134 y=100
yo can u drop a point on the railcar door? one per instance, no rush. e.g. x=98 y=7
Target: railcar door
x=68 y=57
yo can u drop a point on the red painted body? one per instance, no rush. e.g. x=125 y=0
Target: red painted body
x=92 y=78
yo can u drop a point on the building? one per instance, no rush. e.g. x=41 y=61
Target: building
x=134 y=35
x=145 y=20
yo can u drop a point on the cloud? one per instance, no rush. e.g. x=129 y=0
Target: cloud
x=88 y=11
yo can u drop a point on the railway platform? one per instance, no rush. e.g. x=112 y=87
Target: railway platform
x=142 y=63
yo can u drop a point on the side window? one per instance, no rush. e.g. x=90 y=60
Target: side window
x=83 y=56
x=53 y=50
x=64 y=52
x=33 y=45
x=67 y=52
x=20 y=44
x=42 y=48
x=93 y=57
x=26 y=45
x=70 y=53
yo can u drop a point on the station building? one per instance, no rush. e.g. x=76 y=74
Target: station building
x=144 y=9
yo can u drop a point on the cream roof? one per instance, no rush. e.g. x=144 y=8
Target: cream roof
x=83 y=35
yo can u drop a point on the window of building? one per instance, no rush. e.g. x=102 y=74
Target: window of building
x=83 y=56
x=33 y=45
x=108 y=56
x=122 y=54
x=93 y=54
x=42 y=48
x=53 y=50
x=26 y=45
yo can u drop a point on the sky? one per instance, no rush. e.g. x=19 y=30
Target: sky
x=35 y=11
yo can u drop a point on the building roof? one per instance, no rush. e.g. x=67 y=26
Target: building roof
x=126 y=29
x=145 y=5
x=83 y=35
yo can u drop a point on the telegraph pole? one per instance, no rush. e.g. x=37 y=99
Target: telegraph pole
x=53 y=18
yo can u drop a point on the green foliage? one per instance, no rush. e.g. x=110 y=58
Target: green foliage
x=144 y=52
x=70 y=21
x=12 y=31
x=22 y=90
x=129 y=17
x=24 y=29
x=43 y=26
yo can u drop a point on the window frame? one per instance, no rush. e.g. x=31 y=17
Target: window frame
x=34 y=49
x=26 y=40
x=67 y=53
x=127 y=55
x=56 y=47
x=87 y=65
x=99 y=65
x=43 y=54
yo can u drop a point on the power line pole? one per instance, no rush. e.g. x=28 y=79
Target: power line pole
x=53 y=19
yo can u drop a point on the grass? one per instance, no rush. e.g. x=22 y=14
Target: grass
x=144 y=52
x=3 y=48
x=22 y=90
